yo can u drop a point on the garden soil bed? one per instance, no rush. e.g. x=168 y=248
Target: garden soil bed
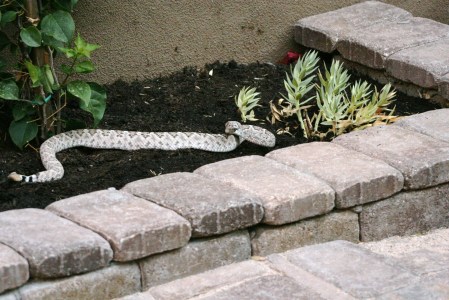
x=189 y=100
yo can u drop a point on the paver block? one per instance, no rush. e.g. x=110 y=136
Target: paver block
x=371 y=46
x=134 y=227
x=271 y=287
x=436 y=287
x=114 y=281
x=287 y=194
x=334 y=226
x=355 y=177
x=434 y=123
x=211 y=207
x=211 y=280
x=422 y=160
x=353 y=269
x=13 y=269
x=197 y=256
x=53 y=246
x=422 y=65
x=324 y=31
x=406 y=213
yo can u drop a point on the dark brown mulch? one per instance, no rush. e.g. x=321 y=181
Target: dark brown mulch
x=189 y=100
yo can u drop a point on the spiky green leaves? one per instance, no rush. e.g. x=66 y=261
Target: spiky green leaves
x=246 y=101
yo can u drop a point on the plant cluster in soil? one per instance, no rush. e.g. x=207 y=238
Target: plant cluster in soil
x=198 y=100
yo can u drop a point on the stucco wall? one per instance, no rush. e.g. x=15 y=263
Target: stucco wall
x=145 y=38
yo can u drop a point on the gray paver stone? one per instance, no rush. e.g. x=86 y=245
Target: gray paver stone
x=324 y=31
x=134 y=227
x=13 y=269
x=422 y=65
x=210 y=280
x=197 y=256
x=435 y=287
x=14 y=295
x=53 y=246
x=351 y=268
x=422 y=160
x=211 y=207
x=355 y=177
x=406 y=213
x=271 y=287
x=434 y=123
x=287 y=194
x=371 y=46
x=333 y=226
x=117 y=280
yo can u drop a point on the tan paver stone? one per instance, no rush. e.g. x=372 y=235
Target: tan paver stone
x=197 y=256
x=355 y=177
x=324 y=31
x=53 y=246
x=133 y=226
x=357 y=271
x=13 y=269
x=371 y=46
x=287 y=194
x=211 y=207
x=334 y=226
x=210 y=280
x=422 y=65
x=406 y=213
x=422 y=160
x=434 y=123
x=117 y=280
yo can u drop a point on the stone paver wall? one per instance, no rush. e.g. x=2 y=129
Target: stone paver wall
x=387 y=43
x=364 y=186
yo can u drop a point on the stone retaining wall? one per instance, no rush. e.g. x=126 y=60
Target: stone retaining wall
x=364 y=186
x=387 y=43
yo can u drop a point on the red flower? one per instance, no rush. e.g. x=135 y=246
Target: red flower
x=290 y=57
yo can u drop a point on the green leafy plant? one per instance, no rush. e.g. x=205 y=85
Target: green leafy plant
x=299 y=84
x=337 y=111
x=36 y=91
x=246 y=101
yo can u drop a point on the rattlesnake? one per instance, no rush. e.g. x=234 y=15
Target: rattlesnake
x=235 y=134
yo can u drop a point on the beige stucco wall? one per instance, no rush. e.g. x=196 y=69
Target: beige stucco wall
x=142 y=39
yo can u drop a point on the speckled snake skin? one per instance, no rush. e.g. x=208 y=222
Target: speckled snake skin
x=235 y=134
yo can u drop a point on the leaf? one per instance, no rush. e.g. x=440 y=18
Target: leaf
x=83 y=48
x=9 y=90
x=22 y=132
x=69 y=52
x=31 y=36
x=50 y=41
x=20 y=110
x=7 y=17
x=97 y=104
x=35 y=73
x=81 y=90
x=59 y=25
x=84 y=67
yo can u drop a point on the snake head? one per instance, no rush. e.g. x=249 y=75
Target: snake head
x=232 y=127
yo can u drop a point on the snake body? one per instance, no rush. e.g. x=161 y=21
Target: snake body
x=235 y=134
